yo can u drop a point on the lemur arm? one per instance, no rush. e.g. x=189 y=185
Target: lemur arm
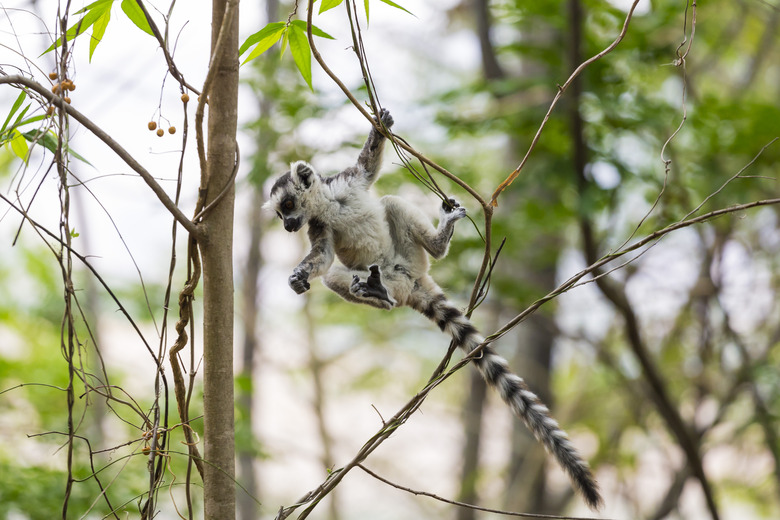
x=370 y=158
x=319 y=259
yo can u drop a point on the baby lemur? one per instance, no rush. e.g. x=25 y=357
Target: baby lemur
x=383 y=247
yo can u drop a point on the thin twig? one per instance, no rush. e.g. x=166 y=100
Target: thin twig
x=110 y=142
x=558 y=95
x=470 y=506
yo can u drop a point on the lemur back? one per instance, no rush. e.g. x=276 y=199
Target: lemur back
x=382 y=246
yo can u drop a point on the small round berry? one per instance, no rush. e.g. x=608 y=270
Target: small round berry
x=50 y=110
x=152 y=126
x=68 y=85
x=160 y=132
x=172 y=130
x=185 y=97
x=56 y=88
x=52 y=75
x=67 y=99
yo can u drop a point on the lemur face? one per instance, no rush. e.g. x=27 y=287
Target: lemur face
x=288 y=195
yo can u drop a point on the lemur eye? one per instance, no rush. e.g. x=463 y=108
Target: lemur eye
x=288 y=204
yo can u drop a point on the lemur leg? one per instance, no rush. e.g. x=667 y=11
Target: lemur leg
x=408 y=223
x=384 y=289
x=439 y=243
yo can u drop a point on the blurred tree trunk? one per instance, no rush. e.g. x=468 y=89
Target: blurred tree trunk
x=316 y=367
x=526 y=475
x=216 y=247
x=475 y=404
x=247 y=507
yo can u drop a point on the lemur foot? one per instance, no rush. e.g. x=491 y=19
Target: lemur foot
x=372 y=288
x=451 y=209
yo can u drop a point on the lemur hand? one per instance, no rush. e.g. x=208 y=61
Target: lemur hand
x=451 y=209
x=299 y=281
x=385 y=117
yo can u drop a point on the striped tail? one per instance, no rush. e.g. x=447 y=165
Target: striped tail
x=514 y=391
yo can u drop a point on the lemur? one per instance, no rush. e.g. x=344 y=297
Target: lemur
x=383 y=247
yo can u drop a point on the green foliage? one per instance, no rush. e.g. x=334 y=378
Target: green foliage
x=11 y=135
x=17 y=140
x=136 y=15
x=97 y=15
x=327 y=5
x=294 y=33
x=49 y=141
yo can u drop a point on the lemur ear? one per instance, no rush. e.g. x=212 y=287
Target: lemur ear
x=302 y=172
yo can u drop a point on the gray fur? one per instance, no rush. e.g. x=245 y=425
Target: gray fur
x=383 y=247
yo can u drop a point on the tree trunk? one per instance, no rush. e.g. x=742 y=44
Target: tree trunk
x=216 y=246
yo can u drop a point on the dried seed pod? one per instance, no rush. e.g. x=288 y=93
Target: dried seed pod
x=172 y=130
x=185 y=97
x=152 y=126
x=160 y=132
x=52 y=75
x=50 y=110
x=67 y=99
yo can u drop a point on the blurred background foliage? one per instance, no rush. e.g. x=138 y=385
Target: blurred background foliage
x=696 y=314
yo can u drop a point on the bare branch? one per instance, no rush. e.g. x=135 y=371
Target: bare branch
x=561 y=90
x=470 y=506
x=110 y=142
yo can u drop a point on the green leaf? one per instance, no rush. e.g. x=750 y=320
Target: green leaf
x=365 y=3
x=271 y=28
x=98 y=31
x=265 y=38
x=18 y=120
x=327 y=5
x=316 y=31
x=136 y=15
x=49 y=141
x=19 y=100
x=393 y=4
x=19 y=145
x=93 y=5
x=301 y=52
x=93 y=12
x=29 y=120
x=285 y=39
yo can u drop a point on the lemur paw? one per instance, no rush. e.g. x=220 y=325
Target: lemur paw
x=385 y=117
x=372 y=288
x=451 y=209
x=299 y=281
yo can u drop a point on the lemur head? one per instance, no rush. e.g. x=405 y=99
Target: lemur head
x=291 y=195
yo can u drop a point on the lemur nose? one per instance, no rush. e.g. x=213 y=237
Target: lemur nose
x=292 y=224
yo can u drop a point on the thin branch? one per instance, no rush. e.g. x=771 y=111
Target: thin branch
x=558 y=95
x=94 y=272
x=111 y=143
x=175 y=72
x=471 y=506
